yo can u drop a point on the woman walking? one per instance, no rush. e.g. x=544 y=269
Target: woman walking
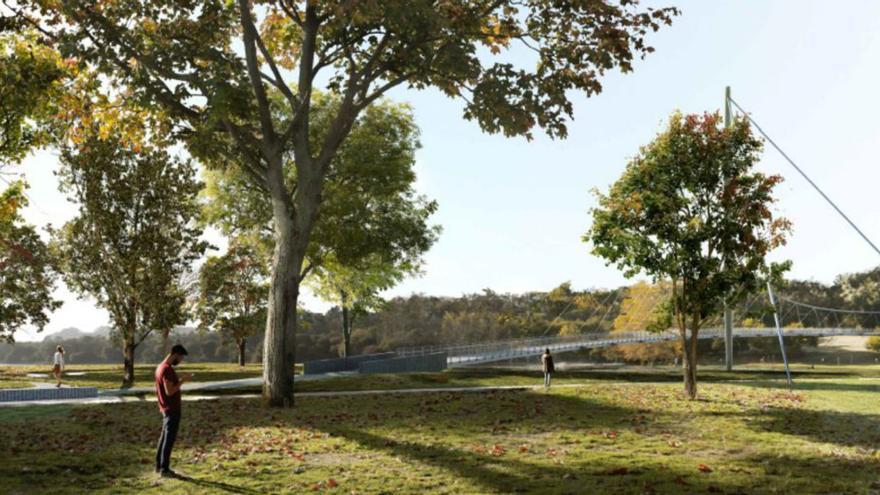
x=547 y=364
x=58 y=364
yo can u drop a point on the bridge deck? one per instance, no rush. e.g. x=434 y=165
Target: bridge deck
x=463 y=355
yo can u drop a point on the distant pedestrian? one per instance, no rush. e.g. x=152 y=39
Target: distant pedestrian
x=58 y=364
x=168 y=394
x=547 y=364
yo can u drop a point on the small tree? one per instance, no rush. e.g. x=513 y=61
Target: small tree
x=356 y=289
x=134 y=235
x=690 y=209
x=232 y=295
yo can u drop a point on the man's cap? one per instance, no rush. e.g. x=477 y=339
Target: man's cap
x=179 y=349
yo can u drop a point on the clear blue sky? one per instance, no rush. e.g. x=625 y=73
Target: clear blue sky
x=513 y=211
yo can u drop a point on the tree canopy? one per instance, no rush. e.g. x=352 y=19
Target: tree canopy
x=31 y=82
x=133 y=237
x=232 y=295
x=27 y=270
x=689 y=208
x=373 y=227
x=212 y=68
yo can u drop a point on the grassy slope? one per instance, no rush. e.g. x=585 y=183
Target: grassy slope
x=603 y=436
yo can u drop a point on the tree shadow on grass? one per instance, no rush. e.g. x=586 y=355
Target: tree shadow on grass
x=643 y=374
x=216 y=486
x=477 y=412
x=823 y=385
x=847 y=429
x=507 y=474
x=841 y=428
x=476 y=415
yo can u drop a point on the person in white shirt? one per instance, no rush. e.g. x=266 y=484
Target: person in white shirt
x=59 y=364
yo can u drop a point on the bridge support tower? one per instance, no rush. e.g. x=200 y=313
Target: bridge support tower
x=728 y=314
x=728 y=338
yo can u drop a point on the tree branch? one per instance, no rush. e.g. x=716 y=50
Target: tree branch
x=249 y=34
x=279 y=79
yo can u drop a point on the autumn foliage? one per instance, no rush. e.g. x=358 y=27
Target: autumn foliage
x=689 y=208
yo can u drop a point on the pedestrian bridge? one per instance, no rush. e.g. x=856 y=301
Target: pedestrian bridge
x=490 y=352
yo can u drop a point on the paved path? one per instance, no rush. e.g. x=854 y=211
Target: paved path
x=136 y=394
x=221 y=385
x=118 y=399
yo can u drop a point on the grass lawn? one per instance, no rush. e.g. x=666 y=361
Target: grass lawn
x=109 y=376
x=481 y=377
x=601 y=435
x=10 y=383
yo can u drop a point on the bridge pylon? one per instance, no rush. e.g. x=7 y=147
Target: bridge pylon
x=728 y=314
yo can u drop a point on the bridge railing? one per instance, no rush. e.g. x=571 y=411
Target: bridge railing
x=517 y=348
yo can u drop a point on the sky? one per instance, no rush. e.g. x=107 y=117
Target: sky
x=513 y=211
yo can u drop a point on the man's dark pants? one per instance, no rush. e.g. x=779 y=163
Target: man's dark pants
x=170 y=424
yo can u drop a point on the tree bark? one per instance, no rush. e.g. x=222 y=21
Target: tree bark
x=242 y=343
x=293 y=222
x=128 y=347
x=346 y=325
x=281 y=319
x=690 y=361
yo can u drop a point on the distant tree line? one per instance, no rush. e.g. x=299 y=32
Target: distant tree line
x=422 y=320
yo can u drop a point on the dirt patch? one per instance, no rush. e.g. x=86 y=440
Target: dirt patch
x=854 y=343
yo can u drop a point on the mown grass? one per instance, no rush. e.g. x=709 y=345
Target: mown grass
x=107 y=376
x=15 y=384
x=594 y=436
x=499 y=376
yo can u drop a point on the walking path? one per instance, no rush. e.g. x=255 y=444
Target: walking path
x=107 y=398
x=221 y=385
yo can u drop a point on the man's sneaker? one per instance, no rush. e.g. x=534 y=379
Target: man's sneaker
x=167 y=473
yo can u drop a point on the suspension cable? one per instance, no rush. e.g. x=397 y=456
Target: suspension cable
x=805 y=176
x=833 y=310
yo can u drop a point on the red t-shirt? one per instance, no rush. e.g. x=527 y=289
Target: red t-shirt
x=167 y=403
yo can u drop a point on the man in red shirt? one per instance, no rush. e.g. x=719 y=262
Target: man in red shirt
x=168 y=393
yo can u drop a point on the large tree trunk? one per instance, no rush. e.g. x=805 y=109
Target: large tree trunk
x=293 y=225
x=128 y=348
x=281 y=320
x=346 y=325
x=690 y=368
x=242 y=344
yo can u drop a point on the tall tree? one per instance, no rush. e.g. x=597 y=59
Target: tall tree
x=373 y=227
x=213 y=65
x=134 y=236
x=690 y=209
x=232 y=295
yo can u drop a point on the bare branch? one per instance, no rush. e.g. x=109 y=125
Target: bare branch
x=249 y=34
x=292 y=12
x=280 y=84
